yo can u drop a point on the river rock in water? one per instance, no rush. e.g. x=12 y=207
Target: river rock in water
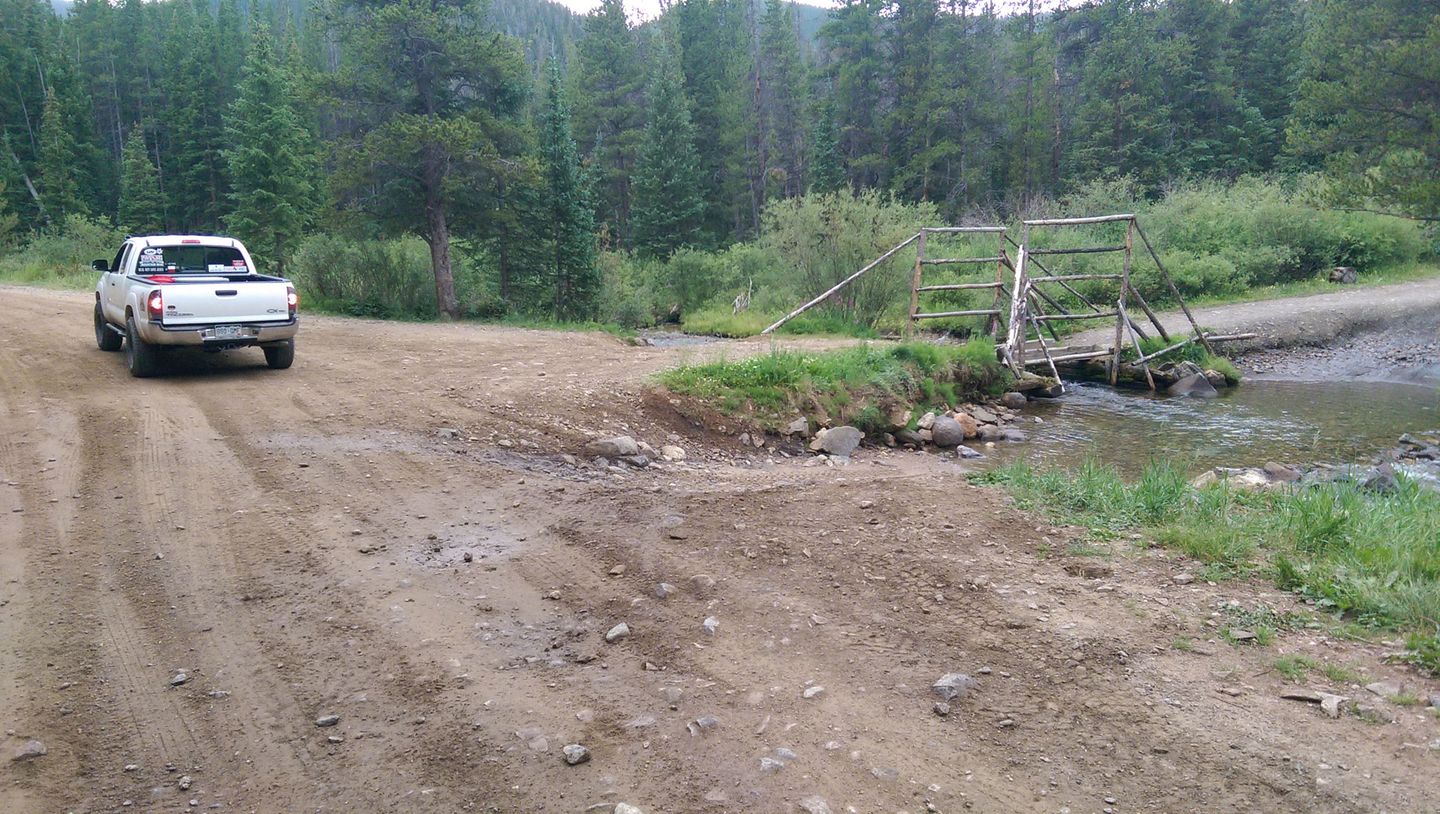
x=1195 y=385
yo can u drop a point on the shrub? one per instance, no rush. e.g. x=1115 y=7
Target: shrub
x=383 y=278
x=62 y=257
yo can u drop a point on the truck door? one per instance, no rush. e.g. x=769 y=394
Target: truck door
x=115 y=286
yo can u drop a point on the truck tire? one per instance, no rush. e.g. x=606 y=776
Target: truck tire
x=280 y=357
x=140 y=357
x=107 y=339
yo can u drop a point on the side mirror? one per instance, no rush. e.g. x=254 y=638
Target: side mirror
x=100 y=265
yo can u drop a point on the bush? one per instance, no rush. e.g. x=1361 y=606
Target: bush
x=61 y=258
x=383 y=278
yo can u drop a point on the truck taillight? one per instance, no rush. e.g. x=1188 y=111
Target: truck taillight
x=155 y=304
x=293 y=299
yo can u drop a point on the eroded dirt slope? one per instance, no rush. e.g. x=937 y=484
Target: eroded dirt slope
x=295 y=543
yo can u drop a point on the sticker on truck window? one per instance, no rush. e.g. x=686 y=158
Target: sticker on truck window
x=218 y=267
x=152 y=258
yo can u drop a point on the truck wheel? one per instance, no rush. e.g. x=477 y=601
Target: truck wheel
x=279 y=357
x=140 y=357
x=107 y=339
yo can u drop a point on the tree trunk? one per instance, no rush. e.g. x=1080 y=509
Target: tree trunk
x=439 y=239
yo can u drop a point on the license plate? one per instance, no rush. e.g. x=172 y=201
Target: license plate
x=228 y=332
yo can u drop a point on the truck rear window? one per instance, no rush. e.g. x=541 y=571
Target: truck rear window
x=189 y=259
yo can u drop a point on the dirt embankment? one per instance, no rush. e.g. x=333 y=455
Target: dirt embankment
x=296 y=543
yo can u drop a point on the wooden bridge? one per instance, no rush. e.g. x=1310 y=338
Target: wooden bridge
x=1030 y=297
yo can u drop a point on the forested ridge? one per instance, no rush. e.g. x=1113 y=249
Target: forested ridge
x=541 y=156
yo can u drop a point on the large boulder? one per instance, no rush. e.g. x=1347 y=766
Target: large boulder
x=841 y=441
x=1345 y=275
x=947 y=433
x=1381 y=479
x=1195 y=386
x=621 y=446
x=909 y=438
x=1014 y=400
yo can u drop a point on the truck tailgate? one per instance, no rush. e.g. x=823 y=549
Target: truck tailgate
x=197 y=302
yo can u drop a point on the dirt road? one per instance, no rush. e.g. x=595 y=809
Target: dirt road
x=295 y=543
x=1315 y=319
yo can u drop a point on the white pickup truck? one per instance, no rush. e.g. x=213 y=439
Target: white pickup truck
x=166 y=291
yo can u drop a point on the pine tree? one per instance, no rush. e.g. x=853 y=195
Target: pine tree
x=57 y=177
x=857 y=68
x=609 y=109
x=9 y=221
x=271 y=158
x=669 y=210
x=782 y=75
x=192 y=120
x=570 y=221
x=142 y=209
x=827 y=170
x=429 y=97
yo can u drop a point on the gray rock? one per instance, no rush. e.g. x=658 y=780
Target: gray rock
x=926 y=422
x=702 y=583
x=1183 y=579
x=800 y=427
x=670 y=452
x=993 y=433
x=909 y=438
x=841 y=441
x=448 y=433
x=180 y=678
x=947 y=433
x=785 y=755
x=1014 y=400
x=710 y=625
x=1194 y=386
x=617 y=633
x=185 y=782
x=327 y=720
x=941 y=708
x=953 y=685
x=621 y=446
x=636 y=461
x=811 y=692
x=30 y=750
x=1384 y=689
x=1344 y=275
x=1381 y=479
x=575 y=754
x=815 y=805
x=1281 y=473
x=626 y=808
x=664 y=590
x=983 y=415
x=967 y=453
x=770 y=764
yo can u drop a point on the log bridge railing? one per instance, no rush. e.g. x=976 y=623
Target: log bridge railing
x=1032 y=308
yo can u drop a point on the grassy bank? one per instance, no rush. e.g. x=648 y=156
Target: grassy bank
x=1372 y=559
x=861 y=386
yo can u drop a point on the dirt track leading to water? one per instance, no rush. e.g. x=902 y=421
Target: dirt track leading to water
x=294 y=542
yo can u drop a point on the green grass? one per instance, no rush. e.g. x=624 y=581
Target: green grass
x=1294 y=668
x=722 y=321
x=1339 y=673
x=1366 y=558
x=859 y=385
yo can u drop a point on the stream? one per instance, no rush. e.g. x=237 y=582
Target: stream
x=1262 y=420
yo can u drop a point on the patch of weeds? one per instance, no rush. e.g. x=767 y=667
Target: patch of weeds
x=1087 y=548
x=1184 y=644
x=1339 y=673
x=1294 y=668
x=1405 y=699
x=1266 y=617
x=1423 y=651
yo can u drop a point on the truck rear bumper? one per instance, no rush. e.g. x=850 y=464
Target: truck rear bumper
x=215 y=335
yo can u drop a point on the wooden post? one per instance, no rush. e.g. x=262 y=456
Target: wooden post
x=1120 y=316
x=1173 y=290
x=995 y=322
x=915 y=285
x=1139 y=351
x=1054 y=371
x=1015 y=337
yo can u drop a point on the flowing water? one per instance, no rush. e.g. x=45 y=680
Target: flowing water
x=1262 y=420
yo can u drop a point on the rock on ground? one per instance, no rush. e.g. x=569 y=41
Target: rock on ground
x=30 y=750
x=575 y=754
x=1013 y=400
x=815 y=805
x=617 y=633
x=947 y=433
x=841 y=441
x=621 y=446
x=953 y=685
